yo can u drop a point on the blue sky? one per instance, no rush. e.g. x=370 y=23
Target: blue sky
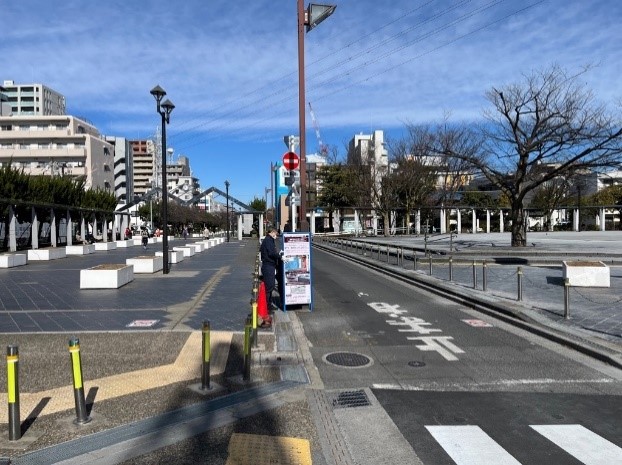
x=230 y=67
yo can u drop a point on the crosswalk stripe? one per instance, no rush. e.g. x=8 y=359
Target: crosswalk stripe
x=583 y=444
x=469 y=445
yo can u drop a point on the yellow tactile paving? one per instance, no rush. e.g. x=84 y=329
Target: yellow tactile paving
x=255 y=449
x=186 y=367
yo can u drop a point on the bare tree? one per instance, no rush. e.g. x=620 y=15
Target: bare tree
x=416 y=176
x=548 y=126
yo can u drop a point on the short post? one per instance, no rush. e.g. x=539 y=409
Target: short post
x=378 y=252
x=567 y=298
x=484 y=275
x=387 y=254
x=78 y=386
x=12 y=366
x=414 y=259
x=474 y=275
x=255 y=333
x=451 y=269
x=519 y=274
x=247 y=349
x=430 y=265
x=206 y=350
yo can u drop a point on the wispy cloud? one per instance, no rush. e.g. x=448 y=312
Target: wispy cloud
x=231 y=67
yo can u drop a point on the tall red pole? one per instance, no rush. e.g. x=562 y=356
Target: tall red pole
x=304 y=225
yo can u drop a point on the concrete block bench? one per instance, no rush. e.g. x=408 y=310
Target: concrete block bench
x=146 y=263
x=105 y=245
x=107 y=276
x=84 y=249
x=12 y=260
x=51 y=253
x=198 y=247
x=587 y=273
x=187 y=251
x=122 y=244
x=174 y=256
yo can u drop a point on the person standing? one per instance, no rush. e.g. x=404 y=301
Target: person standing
x=270 y=258
x=185 y=233
x=144 y=235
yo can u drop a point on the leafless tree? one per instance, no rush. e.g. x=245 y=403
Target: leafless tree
x=548 y=126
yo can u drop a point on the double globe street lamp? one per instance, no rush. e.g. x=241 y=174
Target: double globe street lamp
x=164 y=109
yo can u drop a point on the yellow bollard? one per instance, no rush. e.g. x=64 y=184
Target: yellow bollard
x=206 y=350
x=82 y=416
x=12 y=366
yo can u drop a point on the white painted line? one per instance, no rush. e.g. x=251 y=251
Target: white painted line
x=583 y=444
x=469 y=445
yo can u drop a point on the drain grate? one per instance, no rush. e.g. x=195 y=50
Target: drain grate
x=348 y=359
x=349 y=399
x=416 y=364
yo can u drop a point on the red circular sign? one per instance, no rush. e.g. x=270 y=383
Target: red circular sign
x=290 y=161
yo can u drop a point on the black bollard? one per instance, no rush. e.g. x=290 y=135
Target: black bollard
x=206 y=350
x=247 y=349
x=78 y=387
x=12 y=366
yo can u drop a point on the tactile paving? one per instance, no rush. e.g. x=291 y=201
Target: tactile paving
x=256 y=449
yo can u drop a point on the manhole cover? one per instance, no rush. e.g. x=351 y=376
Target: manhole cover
x=416 y=364
x=347 y=399
x=347 y=359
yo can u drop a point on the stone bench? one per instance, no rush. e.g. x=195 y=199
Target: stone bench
x=12 y=260
x=587 y=273
x=84 y=249
x=187 y=251
x=174 y=256
x=198 y=247
x=105 y=245
x=146 y=263
x=107 y=276
x=51 y=253
x=122 y=244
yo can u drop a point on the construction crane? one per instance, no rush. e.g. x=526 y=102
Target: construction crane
x=323 y=149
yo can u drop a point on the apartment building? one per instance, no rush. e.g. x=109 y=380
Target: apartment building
x=146 y=171
x=33 y=99
x=61 y=145
x=123 y=169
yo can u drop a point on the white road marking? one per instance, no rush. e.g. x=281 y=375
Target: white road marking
x=469 y=445
x=440 y=344
x=583 y=444
x=501 y=382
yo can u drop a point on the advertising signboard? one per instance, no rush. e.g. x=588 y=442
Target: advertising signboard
x=297 y=269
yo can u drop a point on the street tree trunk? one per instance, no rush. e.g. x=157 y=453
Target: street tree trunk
x=519 y=225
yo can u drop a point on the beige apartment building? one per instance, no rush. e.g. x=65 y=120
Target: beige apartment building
x=57 y=145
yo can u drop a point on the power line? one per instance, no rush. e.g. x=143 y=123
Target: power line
x=291 y=92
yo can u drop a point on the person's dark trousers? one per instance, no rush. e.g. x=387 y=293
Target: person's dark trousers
x=280 y=282
x=267 y=272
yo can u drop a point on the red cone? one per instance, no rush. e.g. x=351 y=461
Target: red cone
x=262 y=306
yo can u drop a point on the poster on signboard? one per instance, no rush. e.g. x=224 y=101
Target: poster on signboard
x=297 y=269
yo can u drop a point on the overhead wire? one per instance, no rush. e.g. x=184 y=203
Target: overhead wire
x=287 y=95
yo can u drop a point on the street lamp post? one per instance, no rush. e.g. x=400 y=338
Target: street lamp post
x=164 y=109
x=228 y=223
x=309 y=18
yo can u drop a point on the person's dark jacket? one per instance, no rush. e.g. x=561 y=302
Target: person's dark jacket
x=269 y=253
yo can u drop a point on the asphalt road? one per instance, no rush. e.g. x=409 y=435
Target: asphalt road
x=458 y=386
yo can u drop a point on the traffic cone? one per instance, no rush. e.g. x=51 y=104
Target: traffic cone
x=262 y=306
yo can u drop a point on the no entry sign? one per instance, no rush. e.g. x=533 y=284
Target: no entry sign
x=290 y=161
